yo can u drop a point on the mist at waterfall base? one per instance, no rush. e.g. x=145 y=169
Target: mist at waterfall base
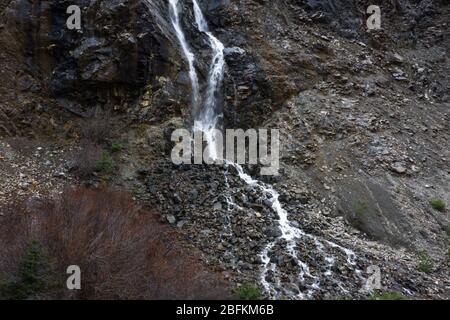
x=206 y=120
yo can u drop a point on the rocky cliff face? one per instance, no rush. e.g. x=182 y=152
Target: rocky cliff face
x=363 y=117
x=122 y=47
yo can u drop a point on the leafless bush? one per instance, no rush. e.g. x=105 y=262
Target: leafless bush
x=86 y=159
x=123 y=252
x=95 y=133
x=98 y=129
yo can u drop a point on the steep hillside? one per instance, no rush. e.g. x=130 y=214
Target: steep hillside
x=363 y=118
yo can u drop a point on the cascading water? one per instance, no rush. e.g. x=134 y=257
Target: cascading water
x=208 y=117
x=175 y=19
x=290 y=235
x=206 y=120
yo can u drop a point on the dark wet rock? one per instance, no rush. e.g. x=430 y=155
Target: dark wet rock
x=122 y=47
x=274 y=232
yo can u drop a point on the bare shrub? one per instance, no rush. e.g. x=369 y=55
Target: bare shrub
x=87 y=159
x=123 y=252
x=98 y=129
x=92 y=157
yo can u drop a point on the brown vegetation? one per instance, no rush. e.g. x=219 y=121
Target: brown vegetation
x=86 y=160
x=98 y=129
x=94 y=134
x=123 y=252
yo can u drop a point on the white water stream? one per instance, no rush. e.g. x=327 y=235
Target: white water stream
x=207 y=120
x=208 y=117
x=175 y=19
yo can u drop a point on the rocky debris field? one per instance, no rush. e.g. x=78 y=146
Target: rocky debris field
x=32 y=169
x=231 y=223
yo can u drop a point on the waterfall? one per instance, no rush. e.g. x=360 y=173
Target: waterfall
x=207 y=120
x=209 y=115
x=175 y=19
x=206 y=116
